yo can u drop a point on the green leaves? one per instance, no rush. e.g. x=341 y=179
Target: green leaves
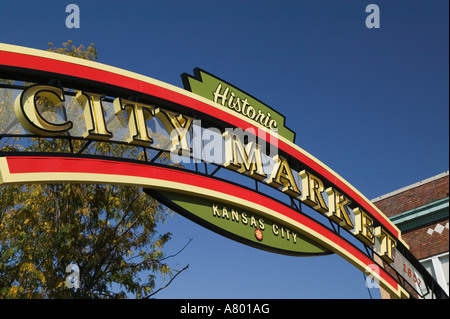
x=111 y=245
x=70 y=49
x=107 y=230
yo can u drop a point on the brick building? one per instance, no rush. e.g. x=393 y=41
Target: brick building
x=421 y=212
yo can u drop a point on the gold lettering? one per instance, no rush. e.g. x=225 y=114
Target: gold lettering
x=282 y=177
x=244 y=160
x=218 y=95
x=294 y=237
x=275 y=229
x=387 y=243
x=244 y=218
x=234 y=215
x=93 y=116
x=337 y=211
x=253 y=222
x=137 y=114
x=28 y=115
x=363 y=227
x=215 y=210
x=241 y=105
x=225 y=213
x=261 y=223
x=312 y=189
x=178 y=126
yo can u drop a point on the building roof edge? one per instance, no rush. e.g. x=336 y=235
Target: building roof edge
x=406 y=188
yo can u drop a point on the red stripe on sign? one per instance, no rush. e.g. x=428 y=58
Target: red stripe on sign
x=98 y=75
x=44 y=164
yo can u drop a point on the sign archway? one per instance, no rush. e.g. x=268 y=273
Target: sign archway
x=219 y=135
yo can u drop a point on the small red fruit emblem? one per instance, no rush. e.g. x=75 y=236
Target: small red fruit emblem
x=258 y=234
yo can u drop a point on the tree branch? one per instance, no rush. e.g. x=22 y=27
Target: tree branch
x=170 y=256
x=154 y=293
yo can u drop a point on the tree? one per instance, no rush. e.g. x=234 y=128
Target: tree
x=108 y=231
x=70 y=49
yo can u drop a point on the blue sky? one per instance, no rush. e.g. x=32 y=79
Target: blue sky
x=372 y=104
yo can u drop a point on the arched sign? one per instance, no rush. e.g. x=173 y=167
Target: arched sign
x=226 y=152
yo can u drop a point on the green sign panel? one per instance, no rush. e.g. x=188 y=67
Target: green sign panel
x=223 y=93
x=241 y=225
